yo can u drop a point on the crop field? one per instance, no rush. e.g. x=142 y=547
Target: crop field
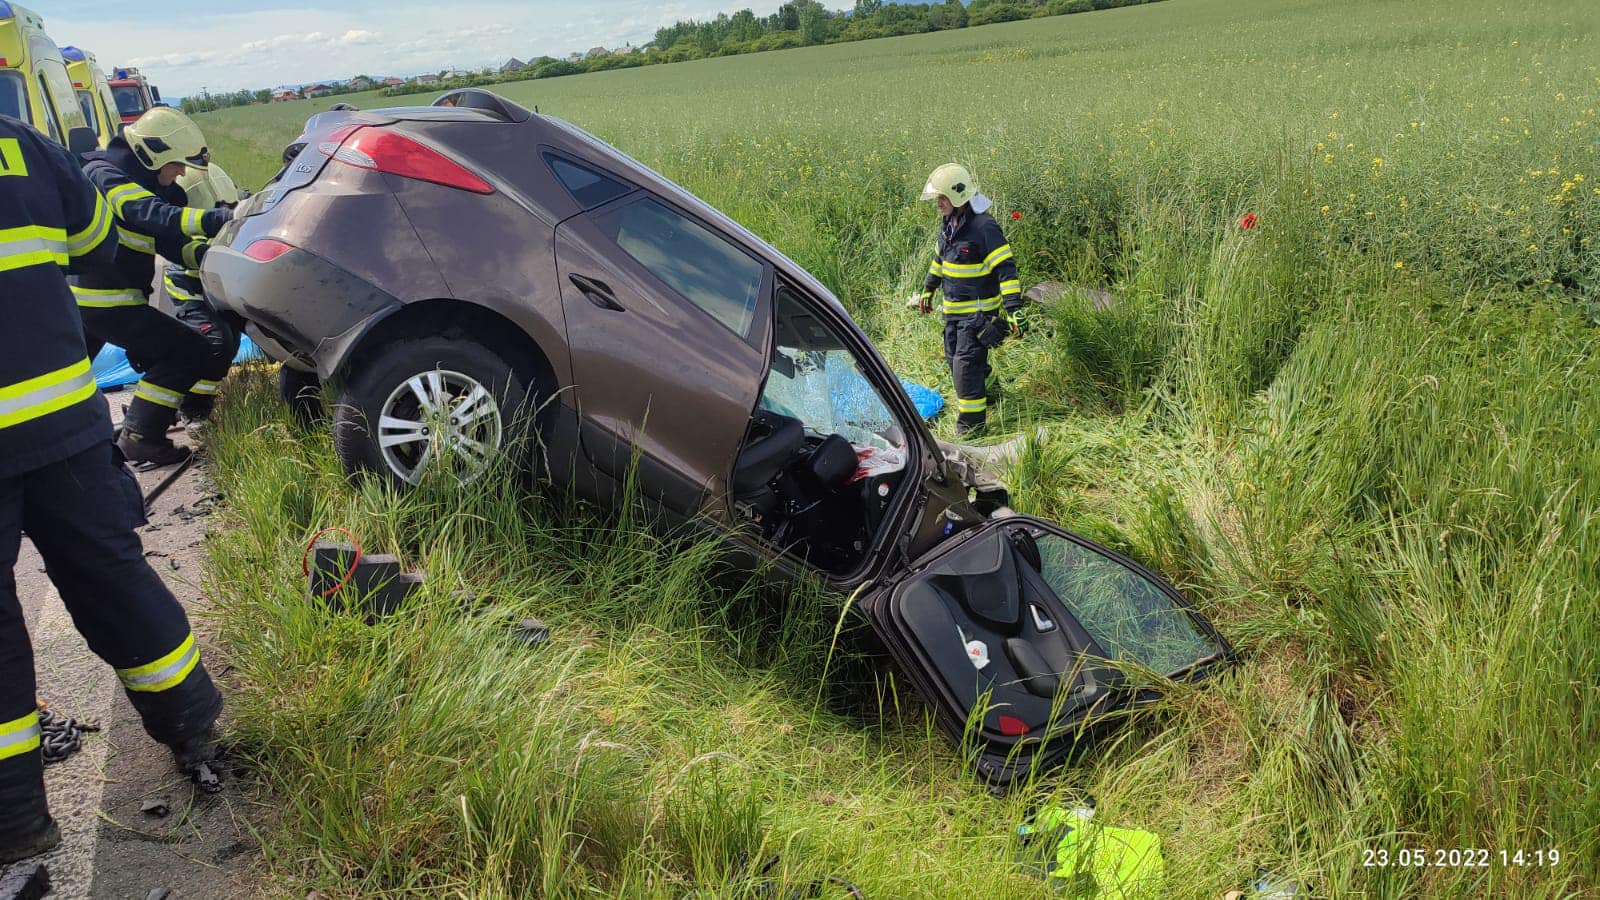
x=1360 y=435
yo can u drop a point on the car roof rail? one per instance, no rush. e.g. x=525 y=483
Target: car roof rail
x=485 y=101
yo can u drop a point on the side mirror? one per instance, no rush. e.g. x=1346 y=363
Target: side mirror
x=155 y=93
x=82 y=140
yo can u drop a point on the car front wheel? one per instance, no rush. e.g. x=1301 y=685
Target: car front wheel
x=423 y=403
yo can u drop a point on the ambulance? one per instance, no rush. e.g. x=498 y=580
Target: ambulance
x=34 y=85
x=99 y=105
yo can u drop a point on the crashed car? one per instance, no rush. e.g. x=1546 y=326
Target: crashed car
x=472 y=270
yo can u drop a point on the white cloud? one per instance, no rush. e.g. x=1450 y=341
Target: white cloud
x=263 y=47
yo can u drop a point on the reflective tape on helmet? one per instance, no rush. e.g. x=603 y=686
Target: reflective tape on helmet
x=20 y=736
x=157 y=394
x=105 y=298
x=45 y=394
x=98 y=228
x=32 y=245
x=165 y=673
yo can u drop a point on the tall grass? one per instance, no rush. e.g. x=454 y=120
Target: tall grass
x=1359 y=435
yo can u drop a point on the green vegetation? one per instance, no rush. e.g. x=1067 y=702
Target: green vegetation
x=1360 y=435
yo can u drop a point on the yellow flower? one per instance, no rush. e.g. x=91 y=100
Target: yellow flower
x=1533 y=248
x=1577 y=177
x=1324 y=207
x=1399 y=265
x=1377 y=162
x=1333 y=115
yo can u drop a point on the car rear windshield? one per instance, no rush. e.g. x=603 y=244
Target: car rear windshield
x=1131 y=618
x=14 y=96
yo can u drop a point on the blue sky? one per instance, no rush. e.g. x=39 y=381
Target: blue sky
x=225 y=45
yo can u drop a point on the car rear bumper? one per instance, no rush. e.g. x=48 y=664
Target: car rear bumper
x=310 y=309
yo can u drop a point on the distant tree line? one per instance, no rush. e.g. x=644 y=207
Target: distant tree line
x=208 y=102
x=798 y=23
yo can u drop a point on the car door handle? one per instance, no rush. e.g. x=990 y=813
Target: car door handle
x=598 y=292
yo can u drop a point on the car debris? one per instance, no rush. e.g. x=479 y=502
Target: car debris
x=155 y=806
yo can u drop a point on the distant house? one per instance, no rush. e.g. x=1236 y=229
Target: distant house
x=453 y=74
x=574 y=56
x=429 y=78
x=360 y=83
x=621 y=51
x=392 y=81
x=512 y=65
x=285 y=94
x=316 y=90
x=597 y=51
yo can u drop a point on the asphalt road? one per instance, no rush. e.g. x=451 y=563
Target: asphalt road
x=204 y=847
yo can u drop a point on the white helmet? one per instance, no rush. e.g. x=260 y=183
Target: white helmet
x=164 y=135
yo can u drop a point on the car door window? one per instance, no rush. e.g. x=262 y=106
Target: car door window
x=1127 y=614
x=86 y=100
x=709 y=271
x=13 y=97
x=588 y=187
x=817 y=379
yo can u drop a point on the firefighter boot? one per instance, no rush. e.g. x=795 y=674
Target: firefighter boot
x=197 y=758
x=143 y=436
x=46 y=840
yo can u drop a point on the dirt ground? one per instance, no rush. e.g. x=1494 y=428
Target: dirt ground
x=204 y=846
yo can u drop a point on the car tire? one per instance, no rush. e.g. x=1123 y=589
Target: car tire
x=383 y=425
x=302 y=393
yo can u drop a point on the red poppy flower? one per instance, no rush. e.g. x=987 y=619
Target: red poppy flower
x=1015 y=214
x=1248 y=222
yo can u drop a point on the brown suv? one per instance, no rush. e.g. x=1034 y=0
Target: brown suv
x=462 y=268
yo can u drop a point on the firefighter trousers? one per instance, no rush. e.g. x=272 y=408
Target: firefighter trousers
x=80 y=513
x=222 y=332
x=170 y=355
x=968 y=358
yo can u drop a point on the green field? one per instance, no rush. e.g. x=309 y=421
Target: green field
x=1359 y=435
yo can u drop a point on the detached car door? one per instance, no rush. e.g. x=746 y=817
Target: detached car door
x=1021 y=635
x=666 y=318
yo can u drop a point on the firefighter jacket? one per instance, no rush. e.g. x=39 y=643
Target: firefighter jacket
x=151 y=219
x=51 y=219
x=973 y=263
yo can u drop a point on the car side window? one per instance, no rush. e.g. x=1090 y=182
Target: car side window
x=48 y=107
x=708 y=270
x=588 y=187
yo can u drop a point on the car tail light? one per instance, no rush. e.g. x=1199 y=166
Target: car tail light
x=385 y=151
x=267 y=249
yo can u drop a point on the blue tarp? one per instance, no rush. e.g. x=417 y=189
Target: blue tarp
x=111 y=367
x=927 y=400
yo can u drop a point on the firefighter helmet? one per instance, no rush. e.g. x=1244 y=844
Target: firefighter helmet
x=164 y=135
x=209 y=188
x=952 y=181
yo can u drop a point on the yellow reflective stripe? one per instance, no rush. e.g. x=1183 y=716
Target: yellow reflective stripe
x=166 y=672
x=958 y=307
x=989 y=304
x=20 y=736
x=1012 y=286
x=105 y=298
x=123 y=194
x=969 y=406
x=936 y=267
x=191 y=222
x=978 y=270
x=133 y=240
x=157 y=394
x=32 y=245
x=90 y=237
x=1000 y=255
x=204 y=387
x=45 y=394
x=11 y=161
x=191 y=255
x=177 y=293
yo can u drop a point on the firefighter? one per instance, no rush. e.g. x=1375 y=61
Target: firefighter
x=209 y=188
x=981 y=291
x=61 y=481
x=138 y=173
